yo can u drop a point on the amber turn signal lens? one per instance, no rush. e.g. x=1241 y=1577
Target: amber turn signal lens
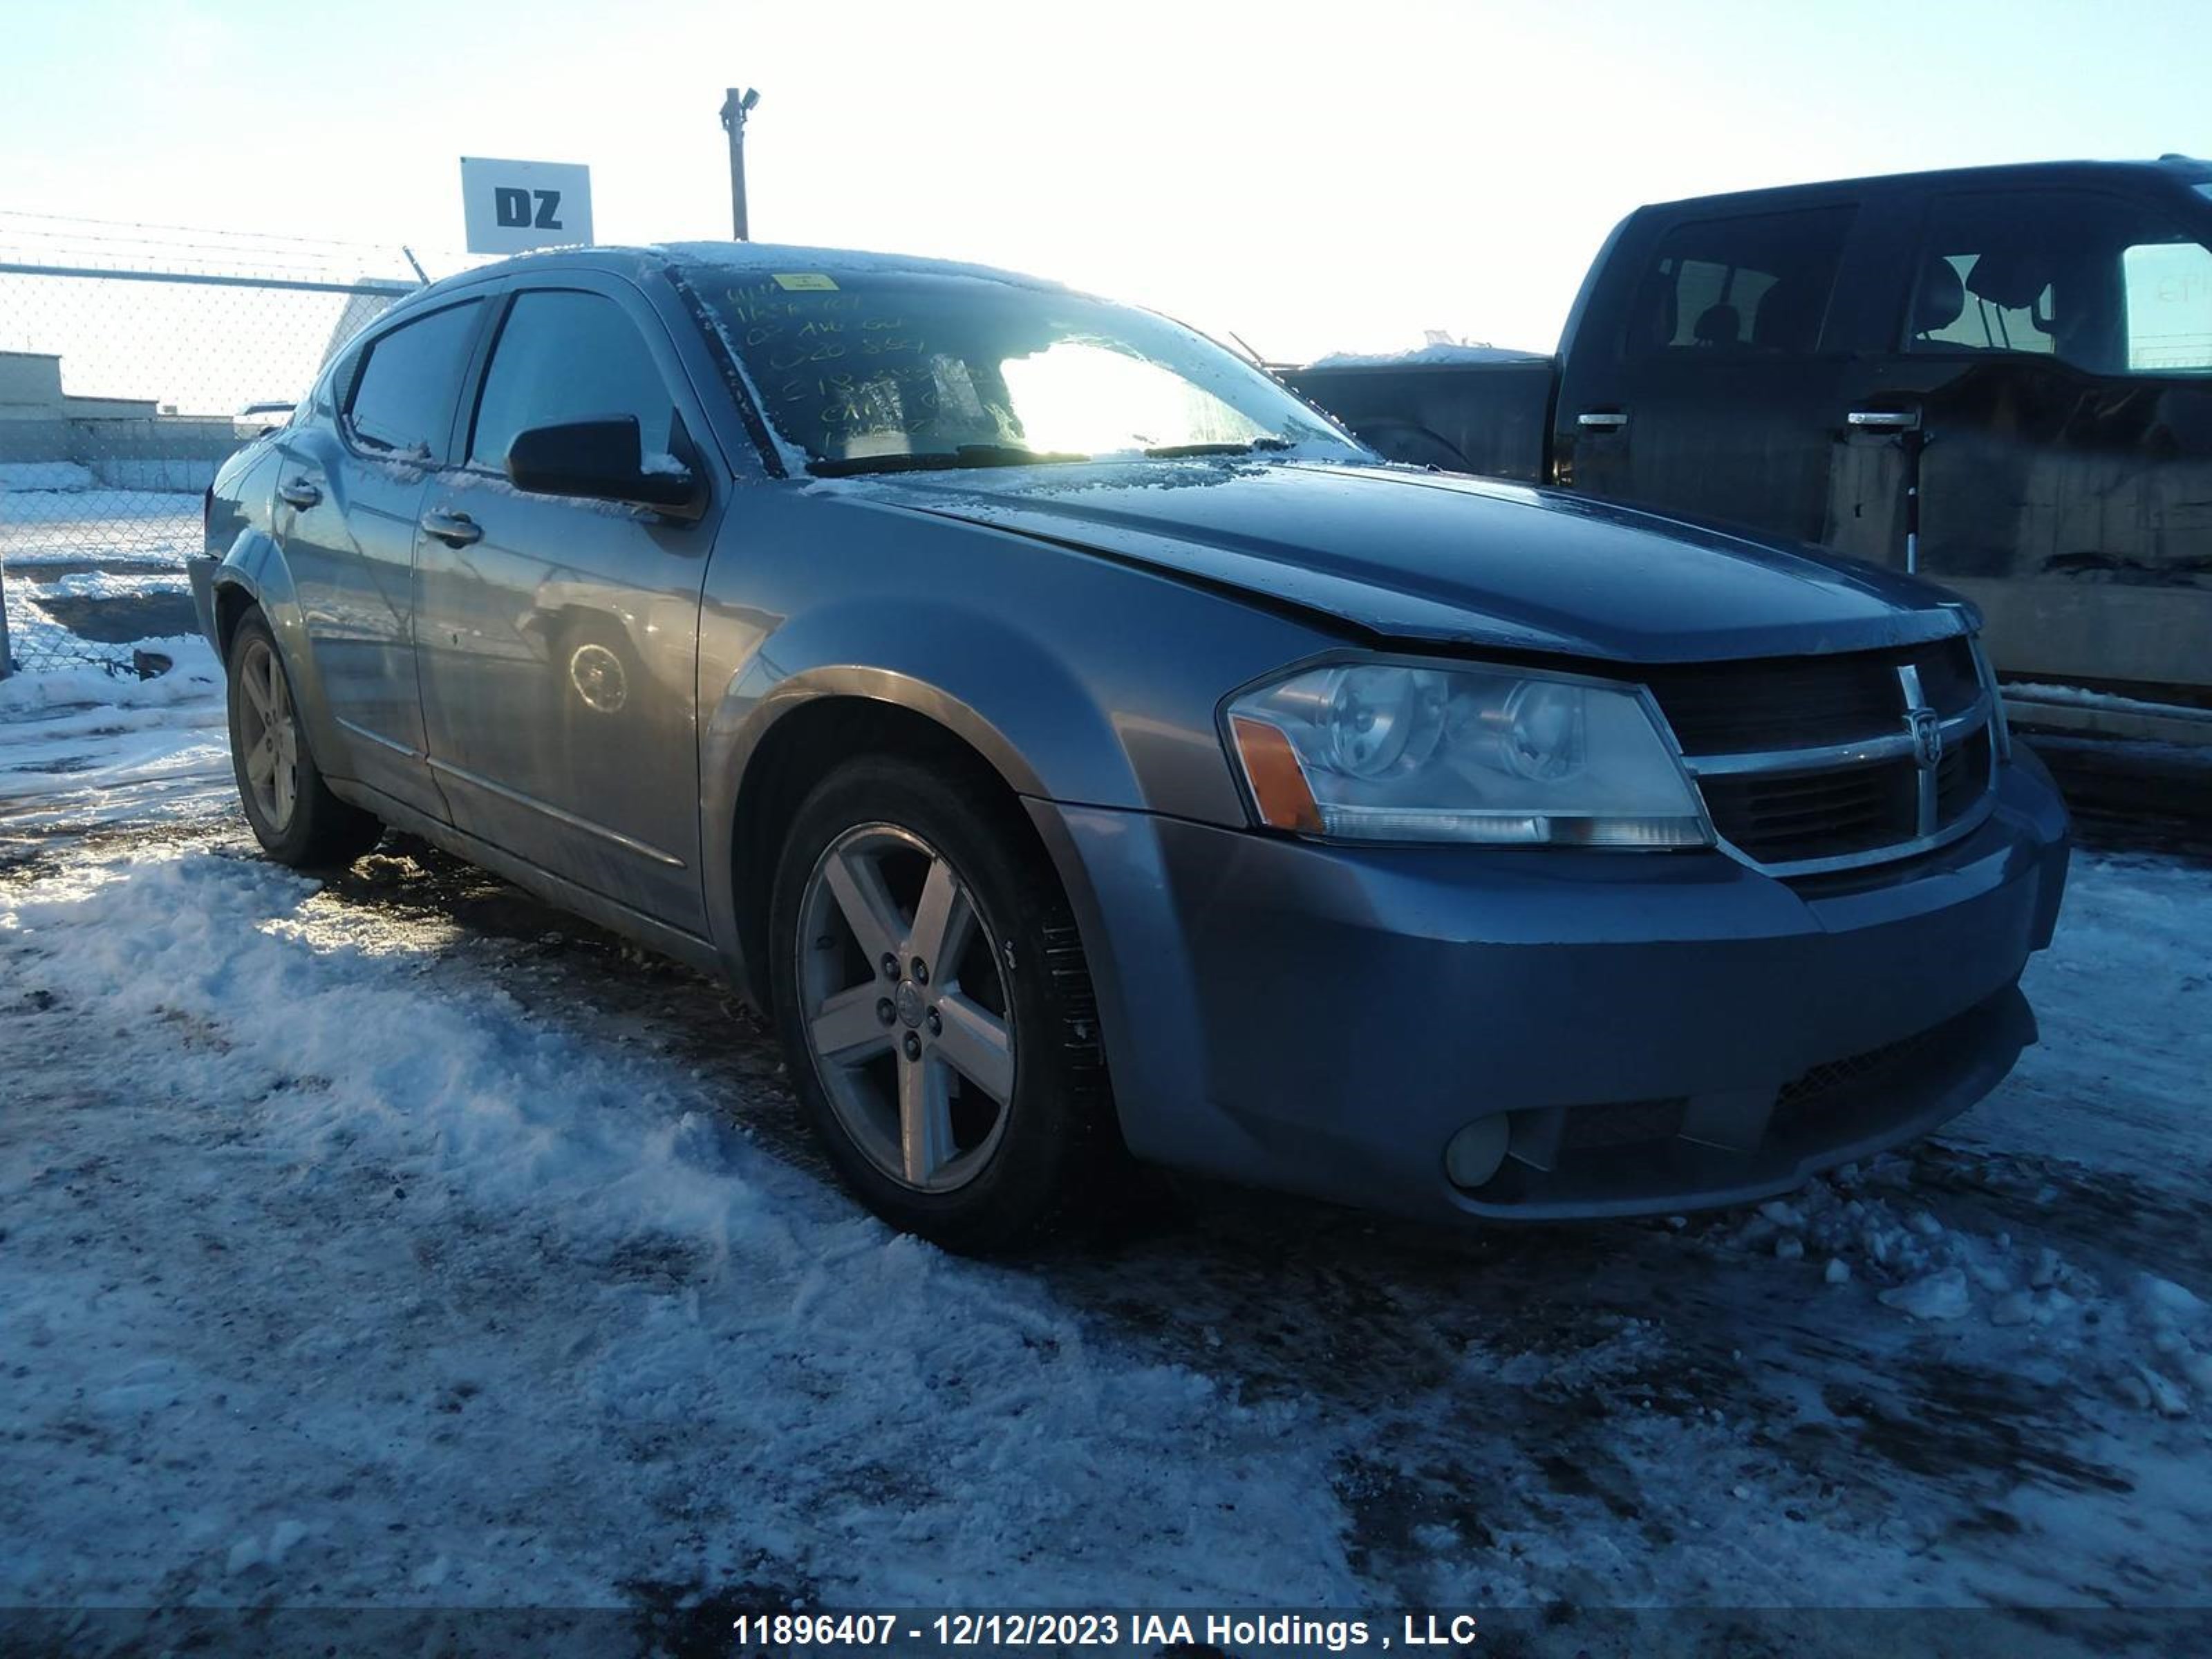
x=1278 y=783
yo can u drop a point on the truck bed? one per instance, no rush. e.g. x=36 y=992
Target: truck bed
x=1492 y=418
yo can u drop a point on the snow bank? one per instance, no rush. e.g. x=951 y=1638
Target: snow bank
x=81 y=746
x=150 y=526
x=875 y=1418
x=196 y=675
x=166 y=473
x=112 y=579
x=44 y=475
x=2148 y=1342
x=2080 y=695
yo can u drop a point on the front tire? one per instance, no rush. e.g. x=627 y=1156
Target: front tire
x=932 y=994
x=293 y=813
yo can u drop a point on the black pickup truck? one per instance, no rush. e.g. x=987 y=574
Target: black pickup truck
x=1999 y=377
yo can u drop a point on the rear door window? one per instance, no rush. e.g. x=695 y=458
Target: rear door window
x=2108 y=285
x=1758 y=285
x=2169 y=288
x=567 y=355
x=402 y=393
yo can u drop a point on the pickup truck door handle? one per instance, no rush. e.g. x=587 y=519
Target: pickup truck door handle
x=1601 y=420
x=298 y=492
x=1883 y=420
x=454 y=528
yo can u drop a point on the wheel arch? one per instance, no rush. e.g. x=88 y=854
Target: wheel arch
x=255 y=574
x=252 y=572
x=813 y=723
x=233 y=599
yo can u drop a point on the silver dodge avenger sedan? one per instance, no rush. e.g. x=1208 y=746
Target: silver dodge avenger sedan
x=1083 y=749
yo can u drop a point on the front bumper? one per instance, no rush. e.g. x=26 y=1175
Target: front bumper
x=1665 y=1030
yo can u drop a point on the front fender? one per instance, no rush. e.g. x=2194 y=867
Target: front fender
x=1004 y=694
x=1081 y=680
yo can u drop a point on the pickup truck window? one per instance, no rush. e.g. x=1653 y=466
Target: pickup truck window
x=2169 y=301
x=881 y=370
x=2107 y=285
x=1757 y=284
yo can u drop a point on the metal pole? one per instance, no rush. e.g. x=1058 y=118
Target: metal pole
x=7 y=662
x=735 y=107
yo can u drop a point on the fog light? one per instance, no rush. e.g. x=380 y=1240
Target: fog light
x=1474 y=1153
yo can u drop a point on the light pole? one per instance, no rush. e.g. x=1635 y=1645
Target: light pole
x=735 y=107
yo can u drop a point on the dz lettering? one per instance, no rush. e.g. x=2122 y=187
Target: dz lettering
x=513 y=207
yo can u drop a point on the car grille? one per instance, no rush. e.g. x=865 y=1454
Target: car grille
x=1592 y=1128
x=1811 y=765
x=1805 y=1098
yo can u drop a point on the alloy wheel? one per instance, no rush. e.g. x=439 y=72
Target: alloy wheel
x=269 y=735
x=903 y=997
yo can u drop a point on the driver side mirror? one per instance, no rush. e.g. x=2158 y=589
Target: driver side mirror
x=602 y=460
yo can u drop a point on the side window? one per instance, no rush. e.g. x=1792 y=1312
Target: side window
x=2168 y=287
x=402 y=391
x=2107 y=284
x=1759 y=284
x=564 y=355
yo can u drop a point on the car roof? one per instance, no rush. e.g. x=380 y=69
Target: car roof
x=736 y=258
x=2170 y=169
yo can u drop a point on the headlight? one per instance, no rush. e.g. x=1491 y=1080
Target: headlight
x=1414 y=752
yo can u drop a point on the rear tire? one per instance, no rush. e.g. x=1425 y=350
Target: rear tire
x=293 y=813
x=906 y=1107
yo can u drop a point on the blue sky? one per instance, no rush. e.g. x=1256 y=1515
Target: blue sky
x=1312 y=176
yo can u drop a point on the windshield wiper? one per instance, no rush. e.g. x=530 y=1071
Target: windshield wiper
x=966 y=455
x=1172 y=452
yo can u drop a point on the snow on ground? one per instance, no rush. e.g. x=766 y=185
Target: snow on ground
x=399 y=1242
x=2081 y=697
x=45 y=476
x=156 y=526
x=82 y=743
x=556 y=1256
x=66 y=544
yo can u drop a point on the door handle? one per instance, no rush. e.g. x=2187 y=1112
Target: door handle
x=1883 y=420
x=1601 y=420
x=454 y=528
x=298 y=492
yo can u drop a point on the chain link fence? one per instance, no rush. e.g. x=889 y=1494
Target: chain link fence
x=133 y=361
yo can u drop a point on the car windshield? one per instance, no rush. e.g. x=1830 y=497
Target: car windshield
x=879 y=371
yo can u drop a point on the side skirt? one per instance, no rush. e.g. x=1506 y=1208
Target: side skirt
x=686 y=948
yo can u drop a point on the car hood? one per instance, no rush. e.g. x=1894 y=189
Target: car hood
x=1443 y=559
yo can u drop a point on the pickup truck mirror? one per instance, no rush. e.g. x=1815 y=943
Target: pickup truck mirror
x=602 y=460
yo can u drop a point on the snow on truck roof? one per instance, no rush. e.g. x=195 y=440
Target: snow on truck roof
x=1440 y=353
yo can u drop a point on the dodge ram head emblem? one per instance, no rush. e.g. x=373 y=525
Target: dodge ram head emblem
x=1927 y=735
